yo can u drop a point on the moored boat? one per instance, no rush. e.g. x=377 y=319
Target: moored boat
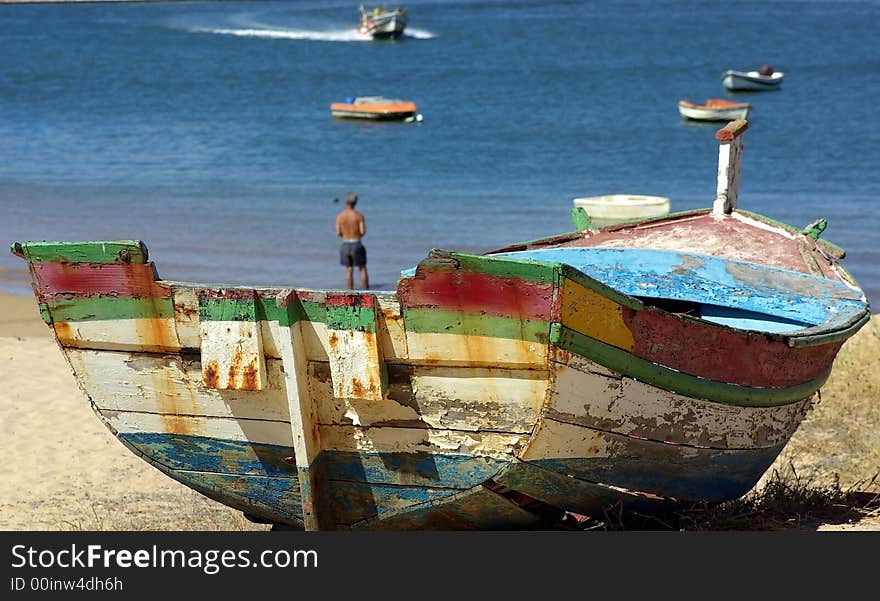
x=714 y=109
x=640 y=365
x=751 y=80
x=376 y=108
x=382 y=23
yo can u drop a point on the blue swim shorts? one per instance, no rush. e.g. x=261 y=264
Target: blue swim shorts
x=353 y=254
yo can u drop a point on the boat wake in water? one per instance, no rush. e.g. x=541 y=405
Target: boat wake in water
x=335 y=35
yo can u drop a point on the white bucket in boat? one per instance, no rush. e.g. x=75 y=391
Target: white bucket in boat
x=614 y=208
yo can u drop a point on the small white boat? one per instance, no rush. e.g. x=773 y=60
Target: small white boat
x=714 y=109
x=751 y=80
x=381 y=23
x=617 y=208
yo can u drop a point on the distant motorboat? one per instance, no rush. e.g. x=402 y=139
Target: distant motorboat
x=751 y=80
x=381 y=23
x=376 y=108
x=714 y=109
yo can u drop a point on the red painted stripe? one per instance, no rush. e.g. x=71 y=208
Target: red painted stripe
x=454 y=290
x=101 y=279
x=722 y=355
x=349 y=300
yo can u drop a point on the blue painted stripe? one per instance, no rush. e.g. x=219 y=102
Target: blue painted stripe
x=681 y=473
x=350 y=502
x=412 y=469
x=202 y=454
x=759 y=289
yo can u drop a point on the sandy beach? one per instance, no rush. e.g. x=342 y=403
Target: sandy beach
x=65 y=471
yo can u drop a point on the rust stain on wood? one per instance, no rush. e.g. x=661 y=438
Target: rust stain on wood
x=211 y=375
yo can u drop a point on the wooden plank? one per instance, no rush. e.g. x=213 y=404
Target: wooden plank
x=110 y=251
x=730 y=139
x=303 y=419
x=670 y=379
x=681 y=472
x=477 y=508
x=97 y=279
x=350 y=502
x=172 y=385
x=586 y=394
x=390 y=328
x=594 y=315
x=232 y=355
x=428 y=348
x=157 y=335
x=356 y=363
x=235 y=429
x=419 y=440
x=575 y=494
x=231 y=341
x=438 y=470
x=436 y=397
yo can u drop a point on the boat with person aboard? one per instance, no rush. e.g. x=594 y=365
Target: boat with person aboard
x=714 y=109
x=763 y=79
x=645 y=365
x=381 y=23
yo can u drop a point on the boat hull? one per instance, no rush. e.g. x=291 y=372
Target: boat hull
x=736 y=81
x=384 y=27
x=486 y=392
x=376 y=110
x=698 y=113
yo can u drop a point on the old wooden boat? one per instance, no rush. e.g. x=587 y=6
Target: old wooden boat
x=374 y=108
x=382 y=23
x=737 y=81
x=714 y=109
x=640 y=365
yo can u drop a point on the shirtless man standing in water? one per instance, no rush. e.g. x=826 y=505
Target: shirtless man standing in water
x=351 y=228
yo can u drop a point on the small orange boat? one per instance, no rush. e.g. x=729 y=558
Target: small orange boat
x=374 y=108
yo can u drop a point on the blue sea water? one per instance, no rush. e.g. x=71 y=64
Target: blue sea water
x=204 y=128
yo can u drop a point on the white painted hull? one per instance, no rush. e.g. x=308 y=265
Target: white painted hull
x=713 y=114
x=753 y=81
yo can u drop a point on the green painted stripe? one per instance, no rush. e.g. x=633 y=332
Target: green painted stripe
x=111 y=251
x=675 y=381
x=829 y=337
x=44 y=313
x=524 y=269
x=359 y=319
x=433 y=321
x=262 y=309
x=227 y=309
x=109 y=307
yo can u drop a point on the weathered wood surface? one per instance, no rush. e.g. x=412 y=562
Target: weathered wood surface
x=356 y=362
x=439 y=397
x=306 y=438
x=729 y=166
x=110 y=251
x=681 y=472
x=590 y=395
x=172 y=385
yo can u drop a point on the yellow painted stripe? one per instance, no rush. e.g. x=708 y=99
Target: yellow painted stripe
x=594 y=315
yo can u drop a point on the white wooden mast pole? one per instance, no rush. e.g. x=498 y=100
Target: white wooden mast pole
x=730 y=138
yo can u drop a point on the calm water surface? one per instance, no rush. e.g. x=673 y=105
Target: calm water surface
x=204 y=128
